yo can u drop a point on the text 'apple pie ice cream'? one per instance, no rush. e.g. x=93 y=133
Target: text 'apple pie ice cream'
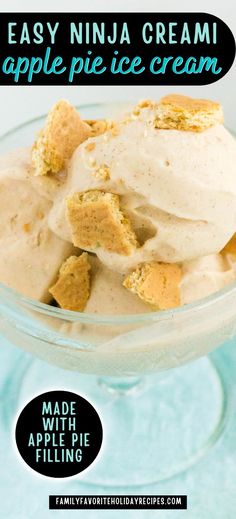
x=132 y=215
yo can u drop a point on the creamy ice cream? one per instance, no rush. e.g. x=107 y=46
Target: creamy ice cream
x=203 y=276
x=31 y=253
x=176 y=187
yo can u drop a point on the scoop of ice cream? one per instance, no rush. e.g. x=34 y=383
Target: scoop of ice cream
x=177 y=187
x=108 y=295
x=204 y=276
x=201 y=278
x=31 y=253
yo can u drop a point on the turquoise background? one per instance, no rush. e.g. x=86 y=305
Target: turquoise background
x=210 y=484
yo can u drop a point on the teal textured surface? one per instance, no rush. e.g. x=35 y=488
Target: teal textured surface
x=210 y=484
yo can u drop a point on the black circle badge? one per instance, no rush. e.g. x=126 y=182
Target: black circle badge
x=59 y=434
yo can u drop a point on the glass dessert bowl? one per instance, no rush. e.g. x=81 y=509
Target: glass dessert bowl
x=157 y=420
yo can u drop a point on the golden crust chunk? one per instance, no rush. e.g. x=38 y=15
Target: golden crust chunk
x=97 y=126
x=102 y=172
x=100 y=126
x=96 y=220
x=72 y=289
x=63 y=132
x=230 y=247
x=156 y=284
x=177 y=112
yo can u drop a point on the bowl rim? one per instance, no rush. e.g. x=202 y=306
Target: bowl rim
x=89 y=318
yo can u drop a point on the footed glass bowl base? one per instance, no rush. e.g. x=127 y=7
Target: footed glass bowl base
x=154 y=427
